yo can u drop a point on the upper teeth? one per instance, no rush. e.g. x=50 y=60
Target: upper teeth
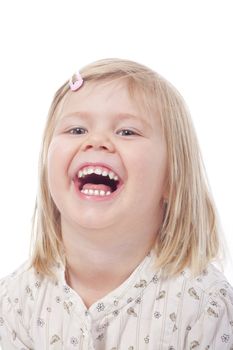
x=98 y=171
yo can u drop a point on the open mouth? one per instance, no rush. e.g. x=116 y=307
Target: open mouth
x=97 y=181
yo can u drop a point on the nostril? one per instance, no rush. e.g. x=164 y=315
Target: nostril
x=103 y=147
x=98 y=141
x=97 y=147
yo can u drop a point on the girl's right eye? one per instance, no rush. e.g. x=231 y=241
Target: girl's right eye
x=78 y=131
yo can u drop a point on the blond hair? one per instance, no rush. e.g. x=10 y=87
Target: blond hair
x=189 y=234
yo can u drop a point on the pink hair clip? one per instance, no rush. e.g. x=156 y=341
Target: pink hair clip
x=76 y=81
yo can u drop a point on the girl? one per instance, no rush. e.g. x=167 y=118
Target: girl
x=125 y=226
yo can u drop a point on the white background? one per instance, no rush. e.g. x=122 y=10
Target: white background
x=44 y=42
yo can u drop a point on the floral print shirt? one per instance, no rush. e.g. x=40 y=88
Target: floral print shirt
x=146 y=312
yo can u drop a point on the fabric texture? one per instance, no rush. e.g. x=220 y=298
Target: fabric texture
x=146 y=312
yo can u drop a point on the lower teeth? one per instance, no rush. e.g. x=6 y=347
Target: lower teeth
x=91 y=192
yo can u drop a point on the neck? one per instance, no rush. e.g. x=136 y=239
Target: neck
x=98 y=261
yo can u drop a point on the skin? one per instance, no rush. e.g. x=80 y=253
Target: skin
x=106 y=240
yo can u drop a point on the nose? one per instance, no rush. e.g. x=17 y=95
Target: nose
x=98 y=141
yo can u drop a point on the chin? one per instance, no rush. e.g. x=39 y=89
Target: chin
x=90 y=219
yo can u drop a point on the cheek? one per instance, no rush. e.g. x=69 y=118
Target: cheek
x=53 y=160
x=146 y=159
x=57 y=163
x=149 y=163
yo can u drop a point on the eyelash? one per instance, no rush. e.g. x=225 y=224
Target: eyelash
x=71 y=131
x=129 y=131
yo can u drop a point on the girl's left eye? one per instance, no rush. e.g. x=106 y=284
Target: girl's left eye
x=126 y=132
x=78 y=131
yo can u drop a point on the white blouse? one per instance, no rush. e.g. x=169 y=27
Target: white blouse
x=146 y=312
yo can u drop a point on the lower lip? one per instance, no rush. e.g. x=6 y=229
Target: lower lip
x=97 y=198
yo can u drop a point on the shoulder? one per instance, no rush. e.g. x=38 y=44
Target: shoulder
x=18 y=281
x=19 y=292
x=210 y=283
x=207 y=309
x=209 y=288
x=25 y=287
x=200 y=310
x=14 y=315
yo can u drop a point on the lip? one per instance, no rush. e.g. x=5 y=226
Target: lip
x=96 y=164
x=97 y=198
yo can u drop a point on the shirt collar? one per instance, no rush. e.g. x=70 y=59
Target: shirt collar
x=127 y=293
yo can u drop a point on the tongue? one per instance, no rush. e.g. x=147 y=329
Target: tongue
x=97 y=187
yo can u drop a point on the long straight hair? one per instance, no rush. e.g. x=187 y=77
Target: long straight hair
x=189 y=234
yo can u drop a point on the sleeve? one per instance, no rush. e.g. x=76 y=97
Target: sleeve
x=213 y=330
x=13 y=335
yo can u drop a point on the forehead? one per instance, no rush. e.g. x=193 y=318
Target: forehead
x=108 y=97
x=93 y=95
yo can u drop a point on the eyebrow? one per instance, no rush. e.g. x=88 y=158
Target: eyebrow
x=121 y=116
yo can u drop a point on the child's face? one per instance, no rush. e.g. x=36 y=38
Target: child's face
x=102 y=129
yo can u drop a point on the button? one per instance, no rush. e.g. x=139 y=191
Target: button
x=84 y=332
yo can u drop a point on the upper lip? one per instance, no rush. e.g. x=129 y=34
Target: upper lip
x=96 y=164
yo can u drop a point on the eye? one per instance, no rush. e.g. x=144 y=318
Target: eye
x=126 y=132
x=78 y=131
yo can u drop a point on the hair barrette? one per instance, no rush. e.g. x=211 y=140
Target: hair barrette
x=76 y=81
